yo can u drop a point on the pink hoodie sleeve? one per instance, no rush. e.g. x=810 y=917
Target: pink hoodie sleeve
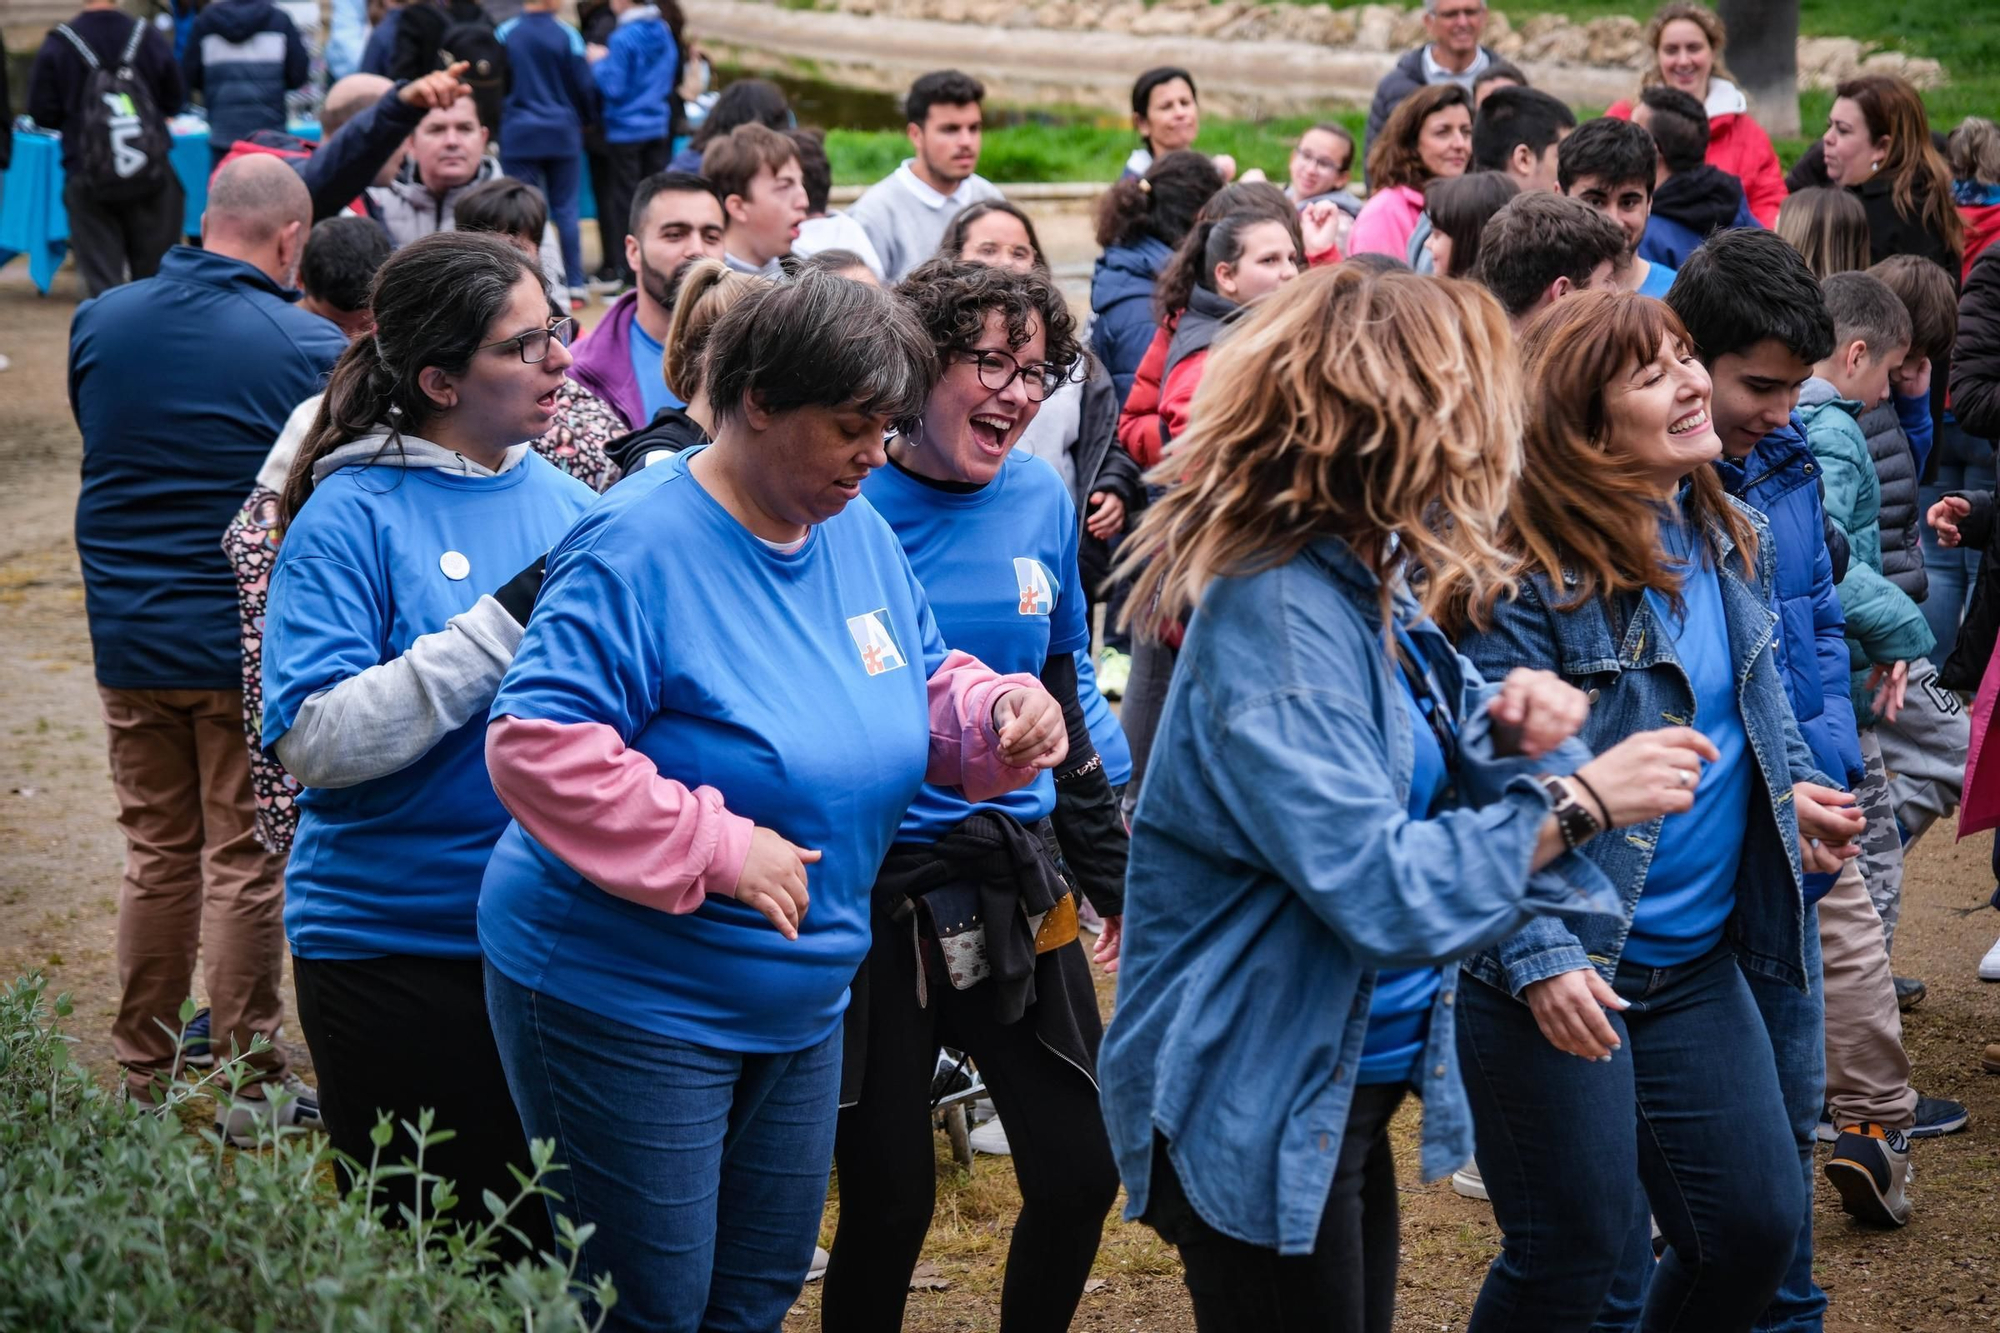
x=604 y=809
x=964 y=742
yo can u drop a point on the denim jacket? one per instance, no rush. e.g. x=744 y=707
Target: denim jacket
x=1274 y=869
x=1635 y=683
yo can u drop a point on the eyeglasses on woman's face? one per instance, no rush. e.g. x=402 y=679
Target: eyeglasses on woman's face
x=534 y=344
x=998 y=369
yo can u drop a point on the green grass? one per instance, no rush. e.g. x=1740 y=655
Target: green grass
x=1092 y=145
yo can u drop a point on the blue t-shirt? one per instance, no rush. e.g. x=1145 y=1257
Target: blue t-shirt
x=1399 y=1008
x=1658 y=279
x=1106 y=732
x=648 y=367
x=1691 y=886
x=392 y=865
x=999 y=567
x=794 y=683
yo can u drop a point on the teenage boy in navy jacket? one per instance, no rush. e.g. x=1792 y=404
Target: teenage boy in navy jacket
x=635 y=71
x=549 y=101
x=242 y=57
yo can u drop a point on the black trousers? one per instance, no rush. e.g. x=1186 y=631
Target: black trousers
x=885 y=1161
x=119 y=243
x=627 y=164
x=402 y=1034
x=1346 y=1285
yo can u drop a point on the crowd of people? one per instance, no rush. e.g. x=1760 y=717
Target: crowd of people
x=1541 y=564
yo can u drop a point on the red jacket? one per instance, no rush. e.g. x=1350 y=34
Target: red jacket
x=1739 y=146
x=1982 y=228
x=1139 y=420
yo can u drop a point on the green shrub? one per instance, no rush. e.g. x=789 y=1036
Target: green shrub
x=113 y=1217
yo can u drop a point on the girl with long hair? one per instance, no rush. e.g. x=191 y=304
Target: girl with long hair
x=1642 y=581
x=1427 y=137
x=1342 y=805
x=1139 y=222
x=1878 y=145
x=1829 y=229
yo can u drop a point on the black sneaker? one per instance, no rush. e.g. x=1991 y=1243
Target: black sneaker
x=1870 y=1167
x=1937 y=1116
x=1909 y=993
x=196 y=1050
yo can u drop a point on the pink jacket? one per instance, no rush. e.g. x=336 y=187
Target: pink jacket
x=1387 y=222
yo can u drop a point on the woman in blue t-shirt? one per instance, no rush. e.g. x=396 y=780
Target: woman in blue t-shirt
x=415 y=522
x=1649 y=587
x=731 y=691
x=992 y=535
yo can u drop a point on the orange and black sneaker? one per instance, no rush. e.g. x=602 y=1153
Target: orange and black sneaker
x=1870 y=1167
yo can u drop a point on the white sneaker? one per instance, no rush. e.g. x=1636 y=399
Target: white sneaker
x=291 y=1101
x=1467 y=1184
x=1989 y=966
x=990 y=1138
x=820 y=1260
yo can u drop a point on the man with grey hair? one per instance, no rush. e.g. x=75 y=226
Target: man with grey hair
x=179 y=383
x=1453 y=55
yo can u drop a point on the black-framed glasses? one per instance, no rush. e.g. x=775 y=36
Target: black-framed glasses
x=534 y=344
x=997 y=370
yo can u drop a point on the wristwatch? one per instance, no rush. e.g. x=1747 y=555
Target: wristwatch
x=1577 y=821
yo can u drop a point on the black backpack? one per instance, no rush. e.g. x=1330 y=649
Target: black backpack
x=469 y=35
x=122 y=140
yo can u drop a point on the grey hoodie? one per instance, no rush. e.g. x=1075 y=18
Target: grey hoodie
x=407 y=210
x=382 y=720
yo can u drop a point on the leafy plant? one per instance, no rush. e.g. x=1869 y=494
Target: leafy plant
x=118 y=1216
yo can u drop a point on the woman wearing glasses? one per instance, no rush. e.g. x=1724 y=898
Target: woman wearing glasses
x=992 y=536
x=416 y=524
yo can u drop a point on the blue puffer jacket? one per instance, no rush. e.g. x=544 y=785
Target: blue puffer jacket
x=1780 y=479
x=242 y=56
x=1121 y=297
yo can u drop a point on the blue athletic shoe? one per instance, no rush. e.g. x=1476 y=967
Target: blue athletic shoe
x=196 y=1051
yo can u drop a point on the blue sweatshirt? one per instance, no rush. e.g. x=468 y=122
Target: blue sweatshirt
x=637 y=77
x=171 y=444
x=551 y=95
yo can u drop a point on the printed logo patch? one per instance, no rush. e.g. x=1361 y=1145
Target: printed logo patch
x=876 y=642
x=1038 y=597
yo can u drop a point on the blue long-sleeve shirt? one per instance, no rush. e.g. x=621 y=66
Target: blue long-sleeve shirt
x=551 y=96
x=636 y=78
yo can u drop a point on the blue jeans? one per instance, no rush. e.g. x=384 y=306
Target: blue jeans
x=704 y=1171
x=1690 y=1106
x=560 y=179
x=1796 y=1023
x=1963 y=464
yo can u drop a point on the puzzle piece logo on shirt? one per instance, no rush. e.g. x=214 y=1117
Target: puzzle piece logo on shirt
x=1037 y=596
x=876 y=642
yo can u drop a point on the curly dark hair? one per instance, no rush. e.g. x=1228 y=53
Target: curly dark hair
x=952 y=299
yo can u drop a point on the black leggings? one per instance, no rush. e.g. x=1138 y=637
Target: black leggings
x=885 y=1160
x=400 y=1034
x=1346 y=1285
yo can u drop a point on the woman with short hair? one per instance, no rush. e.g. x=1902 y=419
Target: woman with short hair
x=730 y=693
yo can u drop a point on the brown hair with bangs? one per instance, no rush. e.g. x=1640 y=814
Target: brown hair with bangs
x=1351 y=403
x=1581 y=511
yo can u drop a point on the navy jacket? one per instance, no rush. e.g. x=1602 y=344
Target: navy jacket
x=171 y=445
x=550 y=95
x=342 y=168
x=242 y=57
x=1121 y=296
x=55 y=85
x=380 y=53
x=1687 y=208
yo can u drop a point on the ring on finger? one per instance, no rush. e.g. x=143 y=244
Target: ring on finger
x=1685 y=776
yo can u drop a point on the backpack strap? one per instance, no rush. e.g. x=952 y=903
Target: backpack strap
x=132 y=46
x=82 y=47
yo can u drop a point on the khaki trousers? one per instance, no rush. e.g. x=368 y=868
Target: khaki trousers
x=195 y=878
x=1867 y=1073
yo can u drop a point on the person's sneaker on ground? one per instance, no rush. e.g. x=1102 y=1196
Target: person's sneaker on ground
x=1989 y=966
x=288 y=1101
x=990 y=1138
x=1826 y=1131
x=1990 y=1061
x=196 y=1049
x=579 y=297
x=1909 y=993
x=820 y=1260
x=606 y=281
x=1937 y=1116
x=1870 y=1167
x=1467 y=1183
x=1114 y=673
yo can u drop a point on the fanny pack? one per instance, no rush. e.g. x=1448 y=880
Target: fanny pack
x=950 y=915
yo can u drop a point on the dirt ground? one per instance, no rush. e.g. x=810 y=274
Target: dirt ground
x=60 y=857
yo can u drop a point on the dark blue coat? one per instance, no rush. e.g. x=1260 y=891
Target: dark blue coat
x=243 y=56
x=1121 y=296
x=550 y=94
x=180 y=383
x=1780 y=479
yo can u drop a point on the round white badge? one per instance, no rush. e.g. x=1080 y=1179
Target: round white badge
x=454 y=565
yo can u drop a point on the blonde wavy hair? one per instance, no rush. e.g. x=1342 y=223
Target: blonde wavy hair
x=1702 y=17
x=1354 y=403
x=708 y=289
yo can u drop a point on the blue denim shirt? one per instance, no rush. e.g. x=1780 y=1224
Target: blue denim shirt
x=1635 y=683
x=1275 y=868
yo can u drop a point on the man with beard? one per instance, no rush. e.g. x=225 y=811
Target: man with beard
x=616 y=383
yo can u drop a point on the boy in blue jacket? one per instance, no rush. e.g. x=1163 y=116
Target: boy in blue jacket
x=550 y=100
x=243 y=56
x=636 y=72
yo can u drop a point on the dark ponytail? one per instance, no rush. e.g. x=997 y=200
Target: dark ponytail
x=1221 y=224
x=1161 y=204
x=433 y=302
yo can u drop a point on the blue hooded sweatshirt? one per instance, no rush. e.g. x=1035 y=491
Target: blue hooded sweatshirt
x=550 y=95
x=243 y=56
x=637 y=77
x=171 y=445
x=1121 y=296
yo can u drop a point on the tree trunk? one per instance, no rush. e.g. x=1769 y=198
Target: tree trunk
x=1764 y=55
